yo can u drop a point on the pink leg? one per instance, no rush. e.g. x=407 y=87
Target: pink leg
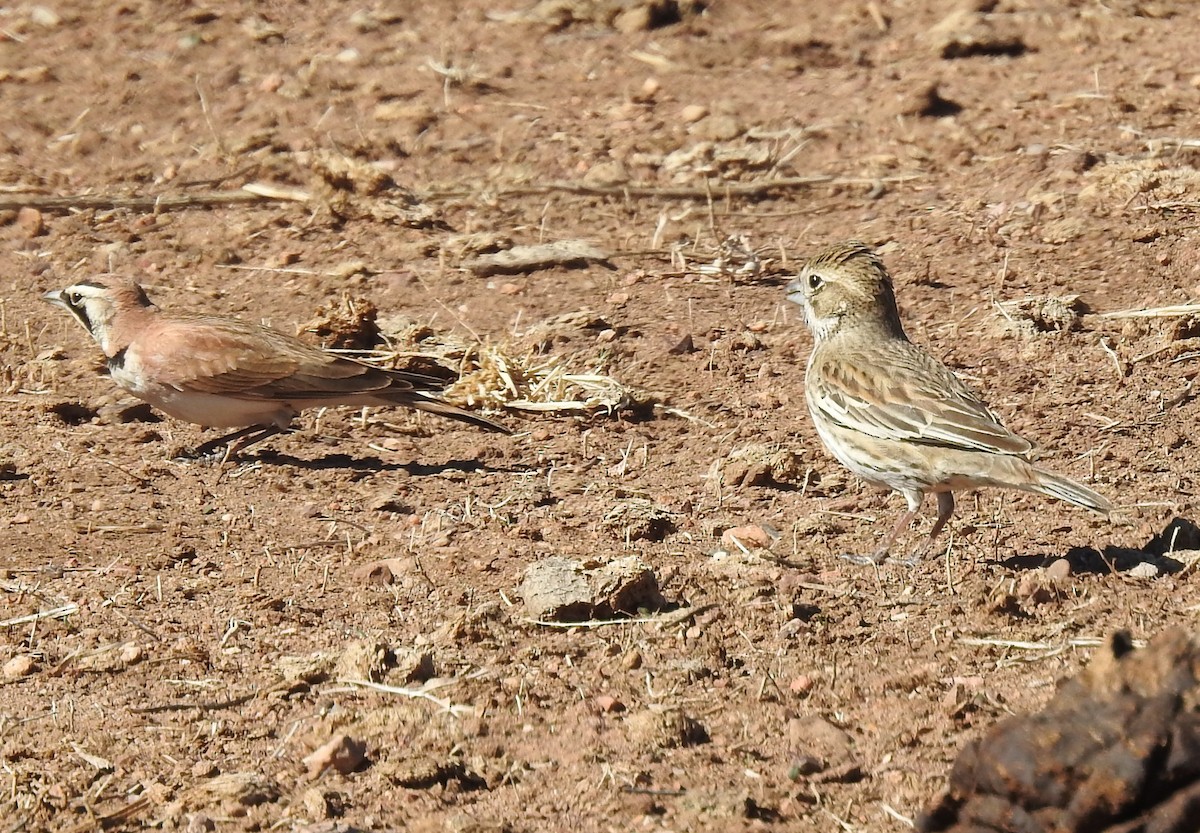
x=945 y=510
x=880 y=554
x=234 y=443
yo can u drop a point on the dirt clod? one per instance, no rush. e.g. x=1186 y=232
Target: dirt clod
x=1118 y=742
x=19 y=666
x=654 y=730
x=560 y=589
x=341 y=752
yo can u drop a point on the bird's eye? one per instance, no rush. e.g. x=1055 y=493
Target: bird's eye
x=815 y=281
x=75 y=299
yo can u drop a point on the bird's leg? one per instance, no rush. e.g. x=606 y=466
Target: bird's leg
x=880 y=554
x=234 y=443
x=250 y=439
x=945 y=510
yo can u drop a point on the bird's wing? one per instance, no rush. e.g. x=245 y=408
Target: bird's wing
x=246 y=361
x=899 y=392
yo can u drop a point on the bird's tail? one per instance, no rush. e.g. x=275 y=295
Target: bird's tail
x=445 y=409
x=1064 y=488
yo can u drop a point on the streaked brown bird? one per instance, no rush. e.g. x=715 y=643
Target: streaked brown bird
x=893 y=414
x=224 y=373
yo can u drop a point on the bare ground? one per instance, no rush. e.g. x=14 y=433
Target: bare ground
x=212 y=622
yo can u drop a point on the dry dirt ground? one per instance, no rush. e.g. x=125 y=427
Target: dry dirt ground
x=179 y=639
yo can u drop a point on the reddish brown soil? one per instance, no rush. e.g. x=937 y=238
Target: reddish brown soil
x=172 y=695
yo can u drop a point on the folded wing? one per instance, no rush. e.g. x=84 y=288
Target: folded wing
x=903 y=394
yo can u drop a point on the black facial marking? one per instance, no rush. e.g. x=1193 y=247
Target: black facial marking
x=117 y=361
x=75 y=305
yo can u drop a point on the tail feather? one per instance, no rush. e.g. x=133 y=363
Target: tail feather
x=445 y=409
x=1067 y=489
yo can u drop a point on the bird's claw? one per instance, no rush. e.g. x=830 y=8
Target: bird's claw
x=872 y=560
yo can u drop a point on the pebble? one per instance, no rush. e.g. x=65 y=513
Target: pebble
x=632 y=660
x=649 y=90
x=204 y=769
x=609 y=704
x=30 y=221
x=341 y=752
x=751 y=535
x=693 y=113
x=717 y=129
x=200 y=823
x=19 y=666
x=1060 y=568
x=1144 y=570
x=44 y=16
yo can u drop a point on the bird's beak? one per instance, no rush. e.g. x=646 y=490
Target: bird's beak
x=795 y=291
x=55 y=297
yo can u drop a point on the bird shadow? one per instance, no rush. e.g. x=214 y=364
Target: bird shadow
x=330 y=462
x=1179 y=535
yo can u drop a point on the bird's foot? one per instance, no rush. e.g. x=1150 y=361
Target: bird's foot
x=208 y=455
x=873 y=560
x=230 y=446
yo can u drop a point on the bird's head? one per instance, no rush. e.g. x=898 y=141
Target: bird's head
x=846 y=284
x=98 y=303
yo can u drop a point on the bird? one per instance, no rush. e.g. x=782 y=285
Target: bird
x=891 y=412
x=222 y=372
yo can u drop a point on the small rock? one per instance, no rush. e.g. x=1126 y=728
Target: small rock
x=200 y=823
x=967 y=32
x=30 y=221
x=693 y=113
x=801 y=685
x=750 y=536
x=654 y=730
x=649 y=90
x=204 y=769
x=815 y=737
x=635 y=19
x=683 y=347
x=45 y=16
x=323 y=804
x=606 y=172
x=350 y=324
x=928 y=102
x=562 y=590
x=382 y=573
x=247 y=789
x=638 y=519
x=609 y=704
x=1145 y=569
x=1060 y=568
x=131 y=654
x=717 y=129
x=19 y=666
x=389 y=501
x=413 y=665
x=1084 y=762
x=311 y=668
x=362 y=659
x=342 y=753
